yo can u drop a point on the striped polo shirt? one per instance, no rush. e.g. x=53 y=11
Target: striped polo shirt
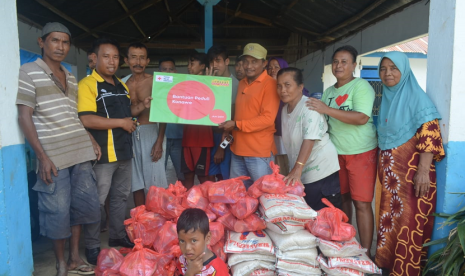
x=60 y=132
x=98 y=97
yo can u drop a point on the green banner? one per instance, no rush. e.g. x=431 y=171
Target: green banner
x=190 y=99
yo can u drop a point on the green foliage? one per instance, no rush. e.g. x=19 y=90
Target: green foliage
x=450 y=260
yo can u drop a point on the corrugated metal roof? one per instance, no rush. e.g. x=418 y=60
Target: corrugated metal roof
x=419 y=45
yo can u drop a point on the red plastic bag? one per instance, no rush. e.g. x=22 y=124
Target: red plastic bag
x=108 y=259
x=217 y=232
x=140 y=262
x=331 y=224
x=162 y=202
x=218 y=249
x=110 y=272
x=244 y=207
x=249 y=224
x=204 y=188
x=167 y=239
x=228 y=220
x=211 y=216
x=273 y=184
x=143 y=225
x=178 y=190
x=194 y=199
x=227 y=191
x=220 y=209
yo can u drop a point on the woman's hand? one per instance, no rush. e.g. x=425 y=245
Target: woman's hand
x=294 y=176
x=317 y=105
x=422 y=183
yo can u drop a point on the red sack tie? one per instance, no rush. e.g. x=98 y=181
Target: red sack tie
x=143 y=225
x=194 y=199
x=178 y=190
x=331 y=224
x=273 y=184
x=141 y=261
x=162 y=202
x=244 y=207
x=227 y=191
x=109 y=260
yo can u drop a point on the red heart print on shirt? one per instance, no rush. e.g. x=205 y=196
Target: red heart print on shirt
x=341 y=99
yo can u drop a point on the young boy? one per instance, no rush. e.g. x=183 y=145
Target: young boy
x=194 y=236
x=197 y=141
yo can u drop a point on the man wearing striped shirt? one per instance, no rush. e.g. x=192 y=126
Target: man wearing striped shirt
x=48 y=117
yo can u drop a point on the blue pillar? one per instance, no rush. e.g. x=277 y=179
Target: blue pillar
x=445 y=88
x=208 y=4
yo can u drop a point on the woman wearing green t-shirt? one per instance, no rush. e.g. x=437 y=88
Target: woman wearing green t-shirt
x=348 y=105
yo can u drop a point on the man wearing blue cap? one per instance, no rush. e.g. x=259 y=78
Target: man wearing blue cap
x=66 y=187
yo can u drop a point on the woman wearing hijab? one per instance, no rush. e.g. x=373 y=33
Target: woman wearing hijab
x=410 y=141
x=274 y=65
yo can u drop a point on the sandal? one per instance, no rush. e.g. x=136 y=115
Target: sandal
x=79 y=270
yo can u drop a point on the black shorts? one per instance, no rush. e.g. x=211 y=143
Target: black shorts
x=328 y=187
x=195 y=159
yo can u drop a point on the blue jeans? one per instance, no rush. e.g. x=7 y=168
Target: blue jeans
x=174 y=151
x=255 y=167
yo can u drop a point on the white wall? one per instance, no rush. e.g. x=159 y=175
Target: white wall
x=445 y=85
x=9 y=72
x=410 y=22
x=418 y=66
x=28 y=41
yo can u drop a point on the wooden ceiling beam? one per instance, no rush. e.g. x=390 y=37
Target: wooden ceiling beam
x=132 y=18
x=287 y=8
x=66 y=17
x=28 y=21
x=246 y=16
x=165 y=25
x=175 y=46
x=120 y=18
x=354 y=18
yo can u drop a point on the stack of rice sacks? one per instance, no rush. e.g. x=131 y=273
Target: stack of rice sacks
x=341 y=254
x=285 y=213
x=295 y=247
x=345 y=259
x=250 y=249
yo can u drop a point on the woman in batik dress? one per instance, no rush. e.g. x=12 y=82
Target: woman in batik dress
x=410 y=143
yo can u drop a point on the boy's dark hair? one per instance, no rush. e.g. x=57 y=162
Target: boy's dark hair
x=217 y=50
x=193 y=219
x=138 y=45
x=297 y=74
x=103 y=40
x=164 y=59
x=353 y=52
x=238 y=59
x=201 y=57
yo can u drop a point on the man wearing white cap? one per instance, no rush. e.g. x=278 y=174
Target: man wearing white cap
x=66 y=186
x=257 y=104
